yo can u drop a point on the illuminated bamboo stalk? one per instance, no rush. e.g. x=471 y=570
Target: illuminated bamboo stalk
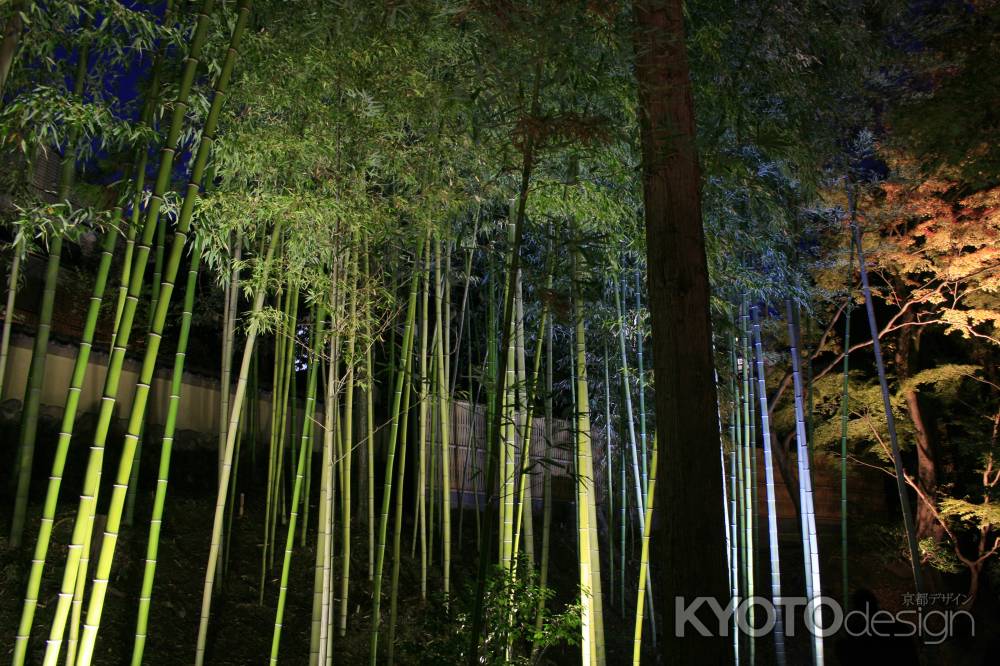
x=32 y=402
x=133 y=484
x=305 y=446
x=407 y=351
x=370 y=434
x=422 y=421
x=88 y=499
x=351 y=294
x=810 y=543
x=734 y=541
x=286 y=413
x=626 y=387
x=589 y=548
x=273 y=444
x=749 y=463
x=610 y=477
x=8 y=318
x=543 y=575
x=641 y=374
x=70 y=407
x=444 y=414
x=397 y=529
x=236 y=407
x=769 y=485
x=644 y=562
x=156 y=521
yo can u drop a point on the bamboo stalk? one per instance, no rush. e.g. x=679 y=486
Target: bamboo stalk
x=897 y=459
x=62 y=448
x=352 y=295
x=32 y=402
x=163 y=475
x=305 y=445
x=88 y=500
x=397 y=529
x=644 y=562
x=8 y=318
x=390 y=460
x=444 y=413
x=810 y=545
x=235 y=409
x=769 y=484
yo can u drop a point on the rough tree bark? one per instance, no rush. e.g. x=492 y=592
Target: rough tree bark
x=688 y=541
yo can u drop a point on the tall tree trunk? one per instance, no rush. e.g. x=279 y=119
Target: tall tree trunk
x=689 y=548
x=927 y=525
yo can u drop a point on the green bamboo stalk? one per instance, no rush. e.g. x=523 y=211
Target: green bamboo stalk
x=526 y=392
x=232 y=292
x=163 y=475
x=444 y=413
x=139 y=180
x=305 y=446
x=422 y=421
x=644 y=562
x=397 y=529
x=641 y=373
x=351 y=294
x=137 y=415
x=370 y=436
x=543 y=575
x=507 y=453
x=730 y=560
x=322 y=567
x=610 y=478
x=323 y=576
x=734 y=540
x=62 y=447
x=273 y=444
x=8 y=318
x=286 y=414
x=133 y=484
x=527 y=166
x=235 y=409
x=590 y=562
x=39 y=353
x=88 y=499
x=390 y=460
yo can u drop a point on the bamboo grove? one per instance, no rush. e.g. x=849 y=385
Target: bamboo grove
x=415 y=253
